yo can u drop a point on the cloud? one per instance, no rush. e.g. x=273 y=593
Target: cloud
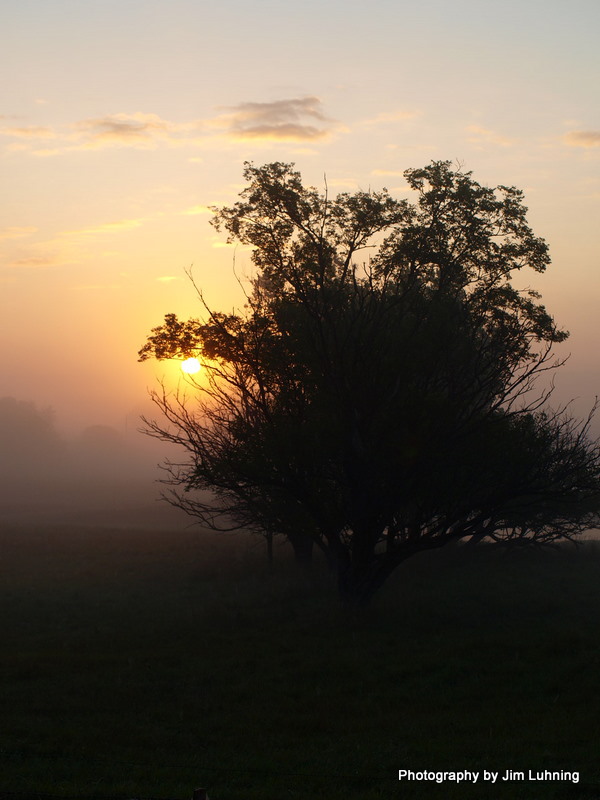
x=137 y=130
x=70 y=246
x=195 y=210
x=28 y=132
x=168 y=278
x=391 y=116
x=282 y=132
x=394 y=173
x=15 y=233
x=298 y=119
x=106 y=227
x=582 y=138
x=281 y=120
x=342 y=183
x=56 y=252
x=35 y=262
x=480 y=135
x=95 y=286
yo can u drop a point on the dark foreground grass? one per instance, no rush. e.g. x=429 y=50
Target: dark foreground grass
x=144 y=664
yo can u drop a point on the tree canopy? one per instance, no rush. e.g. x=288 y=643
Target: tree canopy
x=378 y=394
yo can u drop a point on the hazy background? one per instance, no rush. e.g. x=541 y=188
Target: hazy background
x=120 y=122
x=99 y=476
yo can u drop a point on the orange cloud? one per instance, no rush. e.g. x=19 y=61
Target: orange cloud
x=482 y=135
x=15 y=233
x=107 y=227
x=28 y=132
x=35 y=262
x=287 y=132
x=195 y=210
x=582 y=138
x=394 y=173
x=137 y=129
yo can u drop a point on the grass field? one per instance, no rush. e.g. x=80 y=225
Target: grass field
x=143 y=663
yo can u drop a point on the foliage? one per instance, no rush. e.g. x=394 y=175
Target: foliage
x=378 y=408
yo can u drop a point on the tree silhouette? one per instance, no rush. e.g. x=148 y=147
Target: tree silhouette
x=382 y=403
x=29 y=442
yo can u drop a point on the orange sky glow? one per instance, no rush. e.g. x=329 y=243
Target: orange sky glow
x=121 y=123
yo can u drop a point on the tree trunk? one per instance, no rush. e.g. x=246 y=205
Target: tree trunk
x=354 y=588
x=303 y=548
x=269 y=538
x=358 y=577
x=359 y=582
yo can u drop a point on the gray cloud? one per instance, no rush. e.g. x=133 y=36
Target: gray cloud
x=281 y=120
x=298 y=119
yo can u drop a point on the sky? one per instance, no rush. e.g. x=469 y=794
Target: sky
x=122 y=122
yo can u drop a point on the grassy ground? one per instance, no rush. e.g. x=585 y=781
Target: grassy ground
x=142 y=664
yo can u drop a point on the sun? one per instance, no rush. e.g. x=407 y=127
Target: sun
x=190 y=365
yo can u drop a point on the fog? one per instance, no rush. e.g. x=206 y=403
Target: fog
x=95 y=476
x=51 y=471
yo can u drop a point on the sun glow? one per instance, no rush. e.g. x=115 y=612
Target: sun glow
x=191 y=366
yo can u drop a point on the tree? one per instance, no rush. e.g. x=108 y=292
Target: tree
x=31 y=446
x=378 y=406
